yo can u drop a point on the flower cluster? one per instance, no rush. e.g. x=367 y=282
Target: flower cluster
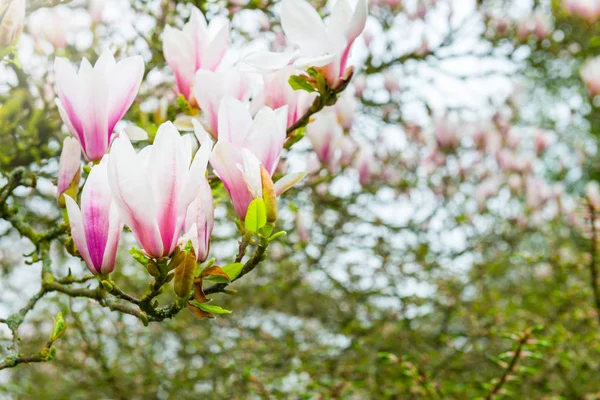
x=161 y=192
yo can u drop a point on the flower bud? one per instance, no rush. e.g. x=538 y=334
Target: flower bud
x=269 y=195
x=69 y=170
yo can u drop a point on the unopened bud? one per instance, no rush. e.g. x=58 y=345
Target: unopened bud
x=176 y=259
x=69 y=170
x=269 y=195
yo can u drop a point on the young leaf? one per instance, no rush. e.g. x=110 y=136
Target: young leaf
x=215 y=273
x=256 y=216
x=139 y=256
x=210 y=308
x=60 y=326
x=197 y=311
x=233 y=270
x=300 y=82
x=184 y=276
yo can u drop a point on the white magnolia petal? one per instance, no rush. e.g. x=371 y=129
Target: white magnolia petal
x=135 y=133
x=234 y=121
x=201 y=134
x=303 y=26
x=268 y=60
x=320 y=61
x=287 y=182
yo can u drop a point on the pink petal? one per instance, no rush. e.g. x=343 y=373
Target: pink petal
x=224 y=159
x=125 y=80
x=133 y=195
x=234 y=121
x=78 y=232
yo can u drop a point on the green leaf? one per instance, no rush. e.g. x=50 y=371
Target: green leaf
x=139 y=256
x=299 y=82
x=266 y=231
x=256 y=216
x=277 y=235
x=232 y=271
x=60 y=326
x=210 y=308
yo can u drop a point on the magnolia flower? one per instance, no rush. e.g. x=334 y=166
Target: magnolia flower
x=325 y=134
x=197 y=46
x=210 y=87
x=541 y=141
x=96 y=227
x=11 y=21
x=345 y=109
x=96 y=8
x=200 y=221
x=92 y=100
x=277 y=93
x=586 y=9
x=323 y=45
x=51 y=25
x=154 y=188
x=245 y=147
x=391 y=81
x=485 y=191
x=446 y=135
x=69 y=169
x=590 y=73
x=366 y=164
x=537 y=192
x=348 y=149
x=360 y=84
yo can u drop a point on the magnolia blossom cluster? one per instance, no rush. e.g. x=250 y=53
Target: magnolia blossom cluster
x=495 y=161
x=590 y=74
x=538 y=25
x=588 y=10
x=333 y=145
x=161 y=193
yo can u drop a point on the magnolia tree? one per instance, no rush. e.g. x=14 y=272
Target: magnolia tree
x=385 y=200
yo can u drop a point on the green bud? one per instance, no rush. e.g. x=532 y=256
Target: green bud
x=152 y=268
x=107 y=285
x=60 y=326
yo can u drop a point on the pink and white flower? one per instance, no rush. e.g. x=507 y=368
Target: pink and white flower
x=325 y=134
x=590 y=73
x=211 y=87
x=585 y=9
x=365 y=163
x=246 y=144
x=92 y=100
x=154 y=188
x=51 y=25
x=69 y=169
x=96 y=227
x=277 y=93
x=197 y=46
x=323 y=45
x=200 y=217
